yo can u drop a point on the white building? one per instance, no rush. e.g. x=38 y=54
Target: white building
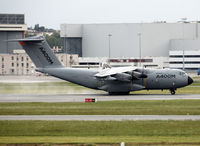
x=189 y=60
x=185 y=54
x=96 y=62
x=19 y=63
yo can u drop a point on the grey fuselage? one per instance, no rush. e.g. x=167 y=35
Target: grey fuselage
x=156 y=79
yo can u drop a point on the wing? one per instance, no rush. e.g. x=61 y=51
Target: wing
x=112 y=71
x=124 y=74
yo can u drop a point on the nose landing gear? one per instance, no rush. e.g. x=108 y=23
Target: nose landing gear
x=172 y=91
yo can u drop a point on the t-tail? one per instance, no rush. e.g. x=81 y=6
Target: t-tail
x=40 y=52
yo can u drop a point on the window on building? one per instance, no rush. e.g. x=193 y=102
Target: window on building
x=186 y=56
x=27 y=58
x=22 y=64
x=2 y=65
x=12 y=64
x=17 y=58
x=12 y=57
x=17 y=64
x=12 y=71
x=22 y=59
x=27 y=65
x=2 y=59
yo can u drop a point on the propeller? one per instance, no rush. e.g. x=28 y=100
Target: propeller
x=136 y=75
x=106 y=66
x=143 y=75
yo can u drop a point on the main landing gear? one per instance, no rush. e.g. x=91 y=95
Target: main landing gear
x=172 y=91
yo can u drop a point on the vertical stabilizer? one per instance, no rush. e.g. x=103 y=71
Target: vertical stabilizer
x=39 y=51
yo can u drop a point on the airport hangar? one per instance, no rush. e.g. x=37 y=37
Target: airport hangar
x=174 y=45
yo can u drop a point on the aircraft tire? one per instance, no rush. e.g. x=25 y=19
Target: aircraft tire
x=173 y=92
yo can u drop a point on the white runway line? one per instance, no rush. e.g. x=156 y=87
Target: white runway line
x=100 y=117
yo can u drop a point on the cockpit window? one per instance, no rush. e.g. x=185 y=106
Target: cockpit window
x=182 y=73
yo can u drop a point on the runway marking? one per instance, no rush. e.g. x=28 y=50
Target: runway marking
x=100 y=117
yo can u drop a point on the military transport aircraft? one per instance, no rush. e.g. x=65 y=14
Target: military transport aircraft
x=120 y=80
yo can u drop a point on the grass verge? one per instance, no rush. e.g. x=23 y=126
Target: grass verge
x=99 y=128
x=156 y=140
x=98 y=131
x=142 y=107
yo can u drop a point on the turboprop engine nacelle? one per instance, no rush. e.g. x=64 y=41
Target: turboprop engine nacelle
x=137 y=75
x=123 y=77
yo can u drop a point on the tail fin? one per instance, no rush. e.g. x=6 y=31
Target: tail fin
x=39 y=51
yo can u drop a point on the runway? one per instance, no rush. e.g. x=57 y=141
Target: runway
x=81 y=97
x=101 y=117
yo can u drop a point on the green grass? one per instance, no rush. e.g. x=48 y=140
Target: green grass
x=195 y=83
x=99 y=131
x=129 y=140
x=155 y=107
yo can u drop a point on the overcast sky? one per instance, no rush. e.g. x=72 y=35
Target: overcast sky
x=51 y=13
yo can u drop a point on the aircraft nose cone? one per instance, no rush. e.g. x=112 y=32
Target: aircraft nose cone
x=190 y=80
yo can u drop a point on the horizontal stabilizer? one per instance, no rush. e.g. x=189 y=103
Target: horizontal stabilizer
x=30 y=39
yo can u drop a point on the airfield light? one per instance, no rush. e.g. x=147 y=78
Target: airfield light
x=183 y=22
x=109 y=36
x=140 y=49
